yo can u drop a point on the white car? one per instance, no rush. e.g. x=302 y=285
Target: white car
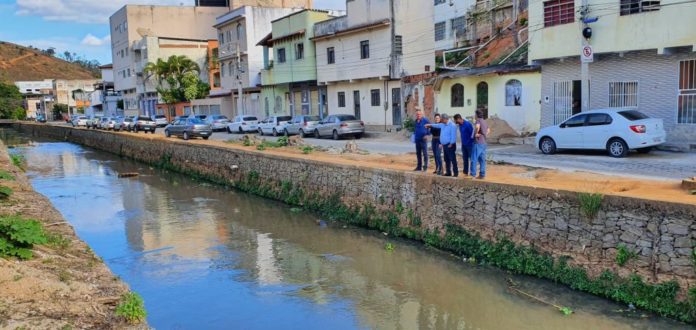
x=615 y=130
x=217 y=122
x=273 y=125
x=78 y=121
x=160 y=120
x=243 y=124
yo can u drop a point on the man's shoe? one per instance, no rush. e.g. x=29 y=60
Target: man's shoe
x=435 y=172
x=447 y=174
x=425 y=169
x=456 y=175
x=480 y=177
x=417 y=169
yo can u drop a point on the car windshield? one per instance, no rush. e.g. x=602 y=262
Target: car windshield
x=144 y=118
x=82 y=117
x=284 y=118
x=312 y=118
x=633 y=115
x=160 y=117
x=345 y=117
x=219 y=117
x=195 y=121
x=249 y=118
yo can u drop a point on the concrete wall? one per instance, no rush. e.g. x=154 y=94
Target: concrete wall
x=524 y=118
x=371 y=115
x=670 y=26
x=660 y=233
x=348 y=64
x=658 y=85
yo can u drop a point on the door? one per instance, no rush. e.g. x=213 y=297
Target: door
x=597 y=131
x=326 y=125
x=396 y=106
x=356 y=104
x=482 y=98
x=570 y=133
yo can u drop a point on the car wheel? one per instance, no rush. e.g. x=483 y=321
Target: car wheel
x=547 y=146
x=644 y=150
x=316 y=134
x=617 y=148
x=240 y=130
x=335 y=135
x=275 y=133
x=358 y=136
x=166 y=133
x=186 y=136
x=206 y=137
x=302 y=134
x=285 y=132
x=229 y=131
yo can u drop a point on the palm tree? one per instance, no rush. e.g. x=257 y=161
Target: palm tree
x=176 y=72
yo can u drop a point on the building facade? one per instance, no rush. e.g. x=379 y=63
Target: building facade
x=104 y=100
x=74 y=93
x=450 y=23
x=642 y=60
x=362 y=56
x=290 y=78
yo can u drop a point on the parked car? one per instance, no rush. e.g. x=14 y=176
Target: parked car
x=178 y=118
x=303 y=125
x=242 y=124
x=189 y=127
x=273 y=125
x=200 y=117
x=78 y=121
x=112 y=123
x=94 y=122
x=103 y=122
x=145 y=123
x=338 y=126
x=218 y=122
x=128 y=123
x=615 y=130
x=160 y=120
x=40 y=118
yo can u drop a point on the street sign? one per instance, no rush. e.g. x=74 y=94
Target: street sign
x=587 y=54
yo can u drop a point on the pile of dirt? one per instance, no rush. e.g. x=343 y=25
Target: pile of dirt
x=65 y=285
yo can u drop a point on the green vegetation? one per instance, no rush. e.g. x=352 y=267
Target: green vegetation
x=18 y=235
x=5 y=192
x=177 y=79
x=623 y=255
x=18 y=160
x=11 y=102
x=261 y=147
x=590 y=204
x=566 y=311
x=389 y=247
x=5 y=175
x=409 y=124
x=57 y=241
x=131 y=308
x=307 y=149
x=59 y=109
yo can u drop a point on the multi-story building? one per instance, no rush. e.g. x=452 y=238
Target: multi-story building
x=450 y=22
x=362 y=56
x=74 y=93
x=240 y=61
x=134 y=27
x=290 y=79
x=643 y=59
x=104 y=100
x=40 y=87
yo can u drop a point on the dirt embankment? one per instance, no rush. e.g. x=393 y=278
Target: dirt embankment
x=65 y=285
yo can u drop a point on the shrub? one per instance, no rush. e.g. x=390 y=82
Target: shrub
x=590 y=204
x=409 y=124
x=18 y=236
x=131 y=308
x=18 y=160
x=4 y=175
x=307 y=149
x=623 y=255
x=282 y=141
x=5 y=192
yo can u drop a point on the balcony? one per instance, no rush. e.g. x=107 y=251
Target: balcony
x=229 y=50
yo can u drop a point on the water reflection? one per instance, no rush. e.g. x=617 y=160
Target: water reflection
x=207 y=257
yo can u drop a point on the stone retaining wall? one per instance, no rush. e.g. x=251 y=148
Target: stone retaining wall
x=661 y=234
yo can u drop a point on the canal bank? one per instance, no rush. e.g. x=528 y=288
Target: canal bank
x=62 y=284
x=547 y=233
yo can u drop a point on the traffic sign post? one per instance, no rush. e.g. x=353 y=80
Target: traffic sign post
x=587 y=54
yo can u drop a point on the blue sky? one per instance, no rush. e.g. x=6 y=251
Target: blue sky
x=79 y=26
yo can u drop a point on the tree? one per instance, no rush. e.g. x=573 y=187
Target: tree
x=50 y=51
x=60 y=109
x=68 y=56
x=177 y=79
x=11 y=102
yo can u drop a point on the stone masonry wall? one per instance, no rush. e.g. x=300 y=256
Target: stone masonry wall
x=662 y=234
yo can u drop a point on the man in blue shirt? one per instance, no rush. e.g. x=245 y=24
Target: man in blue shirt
x=420 y=135
x=466 y=133
x=448 y=140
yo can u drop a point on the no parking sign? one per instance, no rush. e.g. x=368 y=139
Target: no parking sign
x=587 y=54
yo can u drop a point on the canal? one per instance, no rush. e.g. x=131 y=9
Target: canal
x=207 y=257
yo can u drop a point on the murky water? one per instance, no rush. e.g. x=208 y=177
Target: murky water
x=204 y=257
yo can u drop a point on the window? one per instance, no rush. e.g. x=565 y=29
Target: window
x=330 y=56
x=557 y=12
x=230 y=68
x=222 y=69
x=365 y=49
x=440 y=31
x=216 y=79
x=398 y=45
x=629 y=7
x=633 y=115
x=221 y=38
x=576 y=121
x=597 y=119
x=439 y=2
x=458 y=26
x=686 y=102
x=513 y=93
x=623 y=94
x=239 y=31
x=341 y=99
x=281 y=55
x=457 y=95
x=229 y=36
x=374 y=96
x=299 y=51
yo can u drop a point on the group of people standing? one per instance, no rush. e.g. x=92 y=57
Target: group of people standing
x=444 y=144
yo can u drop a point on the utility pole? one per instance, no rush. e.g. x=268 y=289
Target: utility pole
x=240 y=102
x=584 y=66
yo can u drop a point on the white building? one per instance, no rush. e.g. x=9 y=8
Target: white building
x=362 y=56
x=39 y=87
x=104 y=100
x=450 y=22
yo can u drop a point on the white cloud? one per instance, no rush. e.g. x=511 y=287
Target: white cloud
x=91 y=40
x=82 y=11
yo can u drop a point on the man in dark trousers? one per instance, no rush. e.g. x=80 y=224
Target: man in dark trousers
x=448 y=139
x=420 y=138
x=435 y=145
x=466 y=130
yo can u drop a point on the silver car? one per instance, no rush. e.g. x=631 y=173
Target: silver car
x=217 y=122
x=303 y=125
x=80 y=121
x=189 y=127
x=160 y=120
x=94 y=122
x=338 y=126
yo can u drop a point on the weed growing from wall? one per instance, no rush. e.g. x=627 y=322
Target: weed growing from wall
x=623 y=255
x=590 y=204
x=131 y=308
